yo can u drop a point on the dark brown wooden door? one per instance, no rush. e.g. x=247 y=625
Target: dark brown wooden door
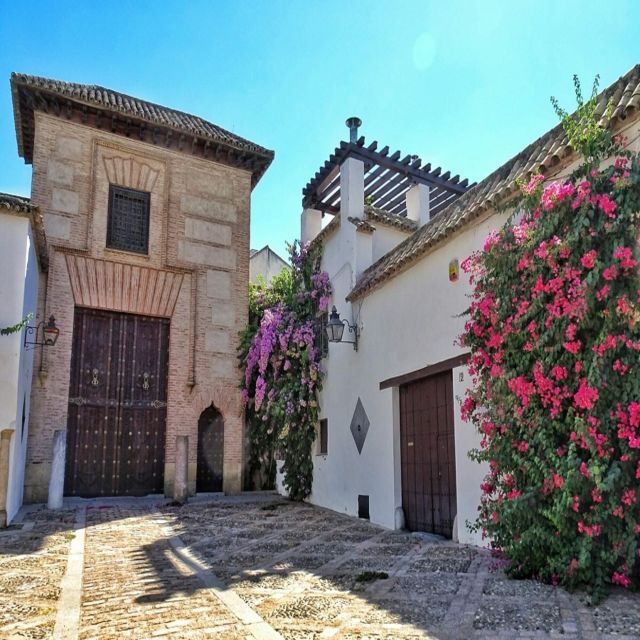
x=428 y=454
x=210 y=451
x=117 y=404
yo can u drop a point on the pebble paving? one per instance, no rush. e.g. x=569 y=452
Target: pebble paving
x=257 y=567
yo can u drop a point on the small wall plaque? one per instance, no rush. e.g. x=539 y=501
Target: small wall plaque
x=454 y=271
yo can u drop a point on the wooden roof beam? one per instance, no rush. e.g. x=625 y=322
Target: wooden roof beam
x=381 y=182
x=416 y=174
x=400 y=209
x=384 y=185
x=329 y=180
x=332 y=196
x=372 y=175
x=399 y=193
x=398 y=199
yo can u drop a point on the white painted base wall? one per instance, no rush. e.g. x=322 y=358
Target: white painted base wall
x=409 y=323
x=18 y=292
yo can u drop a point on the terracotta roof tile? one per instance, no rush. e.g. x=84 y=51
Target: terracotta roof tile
x=547 y=151
x=101 y=98
x=391 y=219
x=18 y=204
x=361 y=225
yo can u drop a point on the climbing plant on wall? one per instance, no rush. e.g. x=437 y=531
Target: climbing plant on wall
x=280 y=357
x=7 y=331
x=554 y=334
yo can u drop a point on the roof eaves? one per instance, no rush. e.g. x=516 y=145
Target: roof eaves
x=361 y=225
x=549 y=150
x=390 y=219
x=135 y=109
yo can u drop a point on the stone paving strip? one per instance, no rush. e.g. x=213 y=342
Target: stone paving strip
x=260 y=568
x=68 y=617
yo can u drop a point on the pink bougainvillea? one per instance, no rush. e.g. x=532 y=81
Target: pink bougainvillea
x=556 y=311
x=281 y=356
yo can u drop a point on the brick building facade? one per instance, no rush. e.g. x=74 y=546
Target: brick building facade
x=108 y=169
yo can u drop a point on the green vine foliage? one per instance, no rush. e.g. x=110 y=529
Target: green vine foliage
x=554 y=335
x=280 y=356
x=584 y=131
x=16 y=328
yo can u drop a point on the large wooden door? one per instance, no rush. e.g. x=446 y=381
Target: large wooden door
x=117 y=404
x=428 y=454
x=210 y=451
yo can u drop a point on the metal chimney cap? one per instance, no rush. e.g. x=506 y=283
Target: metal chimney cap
x=353 y=123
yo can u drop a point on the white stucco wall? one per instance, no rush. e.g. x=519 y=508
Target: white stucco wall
x=410 y=322
x=265 y=263
x=385 y=238
x=18 y=292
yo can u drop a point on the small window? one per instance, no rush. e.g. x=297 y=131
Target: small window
x=128 y=221
x=323 y=437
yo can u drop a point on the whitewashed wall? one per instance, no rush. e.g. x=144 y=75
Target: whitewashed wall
x=18 y=292
x=265 y=263
x=407 y=324
x=410 y=322
x=385 y=238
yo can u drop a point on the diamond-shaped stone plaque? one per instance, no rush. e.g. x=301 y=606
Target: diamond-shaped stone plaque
x=359 y=425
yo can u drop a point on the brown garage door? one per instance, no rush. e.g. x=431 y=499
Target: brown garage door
x=428 y=454
x=117 y=404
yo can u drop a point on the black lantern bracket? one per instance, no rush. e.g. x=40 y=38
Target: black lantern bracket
x=336 y=326
x=48 y=332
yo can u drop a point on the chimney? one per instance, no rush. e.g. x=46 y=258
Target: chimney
x=353 y=123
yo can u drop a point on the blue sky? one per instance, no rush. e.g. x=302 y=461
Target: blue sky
x=463 y=84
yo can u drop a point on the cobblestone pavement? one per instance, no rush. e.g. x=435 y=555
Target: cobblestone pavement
x=260 y=568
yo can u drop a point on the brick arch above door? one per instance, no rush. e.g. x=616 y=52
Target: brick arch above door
x=103 y=284
x=223 y=395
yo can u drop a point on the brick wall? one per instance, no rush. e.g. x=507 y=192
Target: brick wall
x=199 y=228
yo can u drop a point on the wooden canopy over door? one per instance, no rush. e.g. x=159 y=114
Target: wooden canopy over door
x=117 y=404
x=428 y=454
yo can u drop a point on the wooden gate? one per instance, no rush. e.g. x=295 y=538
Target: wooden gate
x=428 y=454
x=210 y=450
x=117 y=404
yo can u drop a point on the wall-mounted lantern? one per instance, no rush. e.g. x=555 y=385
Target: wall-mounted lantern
x=335 y=329
x=49 y=334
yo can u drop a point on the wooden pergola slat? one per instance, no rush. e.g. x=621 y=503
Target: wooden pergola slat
x=387 y=179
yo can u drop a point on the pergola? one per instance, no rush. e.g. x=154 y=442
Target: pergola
x=387 y=179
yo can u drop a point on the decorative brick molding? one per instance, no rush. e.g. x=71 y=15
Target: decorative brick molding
x=130 y=172
x=127 y=288
x=218 y=396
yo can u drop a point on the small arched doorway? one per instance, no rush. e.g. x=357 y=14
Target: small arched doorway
x=210 y=450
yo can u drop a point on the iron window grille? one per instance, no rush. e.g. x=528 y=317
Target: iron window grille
x=128 y=220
